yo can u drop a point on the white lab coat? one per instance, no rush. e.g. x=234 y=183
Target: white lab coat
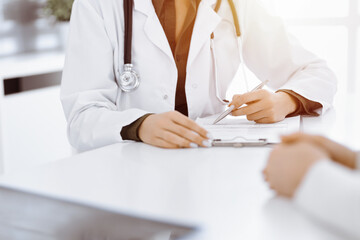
x=95 y=107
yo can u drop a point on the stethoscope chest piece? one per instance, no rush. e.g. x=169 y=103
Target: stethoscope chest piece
x=129 y=79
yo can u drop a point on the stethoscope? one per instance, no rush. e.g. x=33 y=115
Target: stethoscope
x=239 y=45
x=130 y=80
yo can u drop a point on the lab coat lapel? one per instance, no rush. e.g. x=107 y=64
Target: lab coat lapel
x=206 y=22
x=152 y=27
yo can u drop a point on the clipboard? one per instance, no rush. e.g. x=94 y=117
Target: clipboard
x=239 y=142
x=239 y=132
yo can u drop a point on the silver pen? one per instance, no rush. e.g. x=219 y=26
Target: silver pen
x=229 y=110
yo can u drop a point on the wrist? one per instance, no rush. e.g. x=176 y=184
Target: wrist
x=141 y=131
x=291 y=104
x=354 y=162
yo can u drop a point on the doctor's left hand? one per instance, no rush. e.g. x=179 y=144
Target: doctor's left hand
x=263 y=106
x=173 y=130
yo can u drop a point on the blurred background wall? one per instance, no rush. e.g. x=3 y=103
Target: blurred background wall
x=32 y=42
x=329 y=28
x=27 y=25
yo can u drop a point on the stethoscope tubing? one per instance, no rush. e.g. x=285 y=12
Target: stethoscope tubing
x=239 y=44
x=233 y=12
x=128 y=26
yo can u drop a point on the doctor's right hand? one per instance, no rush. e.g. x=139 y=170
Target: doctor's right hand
x=173 y=130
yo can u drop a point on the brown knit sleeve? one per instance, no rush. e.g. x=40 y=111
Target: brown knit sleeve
x=131 y=131
x=306 y=106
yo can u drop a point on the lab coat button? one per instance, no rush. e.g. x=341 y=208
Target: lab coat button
x=165 y=97
x=194 y=85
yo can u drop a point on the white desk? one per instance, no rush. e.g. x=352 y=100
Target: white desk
x=220 y=189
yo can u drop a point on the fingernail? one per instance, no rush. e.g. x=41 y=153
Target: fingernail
x=209 y=136
x=207 y=143
x=194 y=145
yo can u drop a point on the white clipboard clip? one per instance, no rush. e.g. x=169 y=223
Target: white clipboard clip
x=239 y=142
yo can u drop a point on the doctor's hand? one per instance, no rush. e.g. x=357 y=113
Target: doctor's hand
x=173 y=130
x=288 y=164
x=336 y=151
x=263 y=106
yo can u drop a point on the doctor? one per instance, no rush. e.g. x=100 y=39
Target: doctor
x=186 y=53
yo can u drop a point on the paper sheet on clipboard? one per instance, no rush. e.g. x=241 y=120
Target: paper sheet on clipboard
x=232 y=127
